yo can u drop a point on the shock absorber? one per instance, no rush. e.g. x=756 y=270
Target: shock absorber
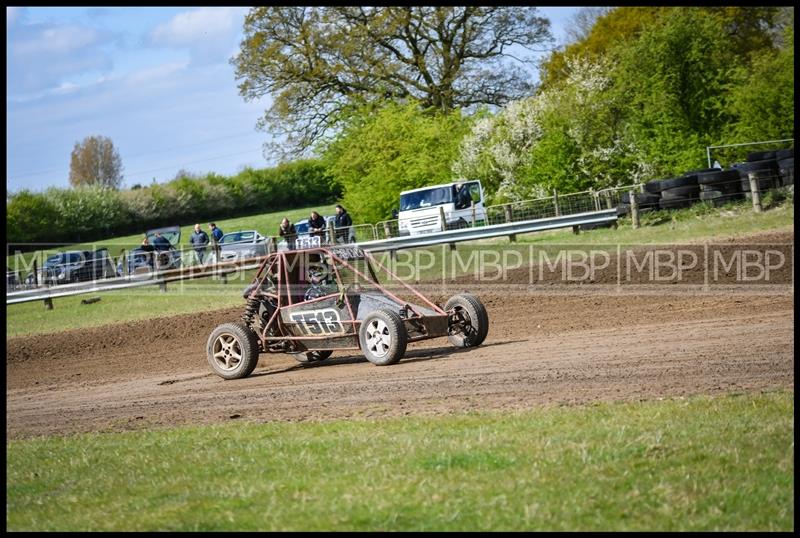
x=250 y=311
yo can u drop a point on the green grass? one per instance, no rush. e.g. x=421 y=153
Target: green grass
x=123 y=305
x=723 y=463
x=697 y=223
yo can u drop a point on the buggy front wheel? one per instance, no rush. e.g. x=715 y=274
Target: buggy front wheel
x=232 y=350
x=383 y=337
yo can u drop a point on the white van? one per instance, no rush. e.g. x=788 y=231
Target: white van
x=419 y=208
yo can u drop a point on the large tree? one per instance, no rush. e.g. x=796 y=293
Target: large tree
x=315 y=62
x=95 y=161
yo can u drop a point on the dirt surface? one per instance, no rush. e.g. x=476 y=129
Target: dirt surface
x=545 y=346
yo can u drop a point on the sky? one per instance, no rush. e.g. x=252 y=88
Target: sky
x=157 y=81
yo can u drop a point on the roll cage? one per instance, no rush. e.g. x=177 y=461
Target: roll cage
x=342 y=274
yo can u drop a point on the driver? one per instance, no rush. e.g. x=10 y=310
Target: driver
x=318 y=282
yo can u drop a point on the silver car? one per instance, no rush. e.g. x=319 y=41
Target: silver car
x=241 y=245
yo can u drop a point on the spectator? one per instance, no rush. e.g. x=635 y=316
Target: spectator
x=148 y=248
x=216 y=233
x=342 y=222
x=199 y=241
x=287 y=230
x=160 y=243
x=316 y=225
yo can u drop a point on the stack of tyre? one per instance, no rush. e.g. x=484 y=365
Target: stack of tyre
x=720 y=186
x=771 y=169
x=646 y=201
x=678 y=192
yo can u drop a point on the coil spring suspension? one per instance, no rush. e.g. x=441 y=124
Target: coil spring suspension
x=250 y=311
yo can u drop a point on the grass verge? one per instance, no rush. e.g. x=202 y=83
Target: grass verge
x=722 y=463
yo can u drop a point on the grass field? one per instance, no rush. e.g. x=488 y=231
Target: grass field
x=722 y=463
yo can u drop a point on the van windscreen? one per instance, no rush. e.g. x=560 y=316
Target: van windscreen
x=426 y=198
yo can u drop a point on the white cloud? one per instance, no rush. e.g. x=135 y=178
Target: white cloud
x=55 y=39
x=43 y=57
x=193 y=27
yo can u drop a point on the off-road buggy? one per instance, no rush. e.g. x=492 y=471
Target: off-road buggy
x=311 y=302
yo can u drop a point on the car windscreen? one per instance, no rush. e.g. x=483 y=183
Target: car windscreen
x=426 y=198
x=236 y=237
x=173 y=236
x=53 y=261
x=301 y=227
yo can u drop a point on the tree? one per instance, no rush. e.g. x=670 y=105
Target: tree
x=762 y=95
x=315 y=62
x=95 y=161
x=396 y=147
x=582 y=22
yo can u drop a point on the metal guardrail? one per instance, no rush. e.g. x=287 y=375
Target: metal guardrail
x=490 y=231
x=131 y=281
x=389 y=244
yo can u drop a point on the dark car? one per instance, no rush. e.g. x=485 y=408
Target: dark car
x=76 y=266
x=162 y=257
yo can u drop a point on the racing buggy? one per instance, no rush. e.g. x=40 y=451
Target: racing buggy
x=309 y=303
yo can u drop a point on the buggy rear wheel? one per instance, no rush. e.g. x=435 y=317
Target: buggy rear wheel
x=383 y=337
x=469 y=322
x=232 y=350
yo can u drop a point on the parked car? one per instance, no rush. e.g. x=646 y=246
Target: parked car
x=160 y=259
x=76 y=266
x=241 y=245
x=12 y=281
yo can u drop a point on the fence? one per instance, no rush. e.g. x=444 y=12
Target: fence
x=557 y=205
x=735 y=152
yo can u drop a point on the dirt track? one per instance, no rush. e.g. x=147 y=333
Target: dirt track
x=542 y=348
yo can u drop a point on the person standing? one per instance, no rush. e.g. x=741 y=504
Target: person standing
x=288 y=232
x=216 y=233
x=316 y=225
x=199 y=241
x=342 y=223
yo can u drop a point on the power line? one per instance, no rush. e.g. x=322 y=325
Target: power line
x=134 y=174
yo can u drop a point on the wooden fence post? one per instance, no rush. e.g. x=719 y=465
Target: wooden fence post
x=754 y=192
x=35 y=273
x=387 y=230
x=555 y=203
x=509 y=218
x=48 y=304
x=441 y=219
x=634 y=210
x=473 y=214
x=331 y=233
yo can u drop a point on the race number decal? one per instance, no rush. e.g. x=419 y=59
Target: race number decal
x=318 y=322
x=308 y=242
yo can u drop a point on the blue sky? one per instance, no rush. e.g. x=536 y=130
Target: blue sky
x=155 y=80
